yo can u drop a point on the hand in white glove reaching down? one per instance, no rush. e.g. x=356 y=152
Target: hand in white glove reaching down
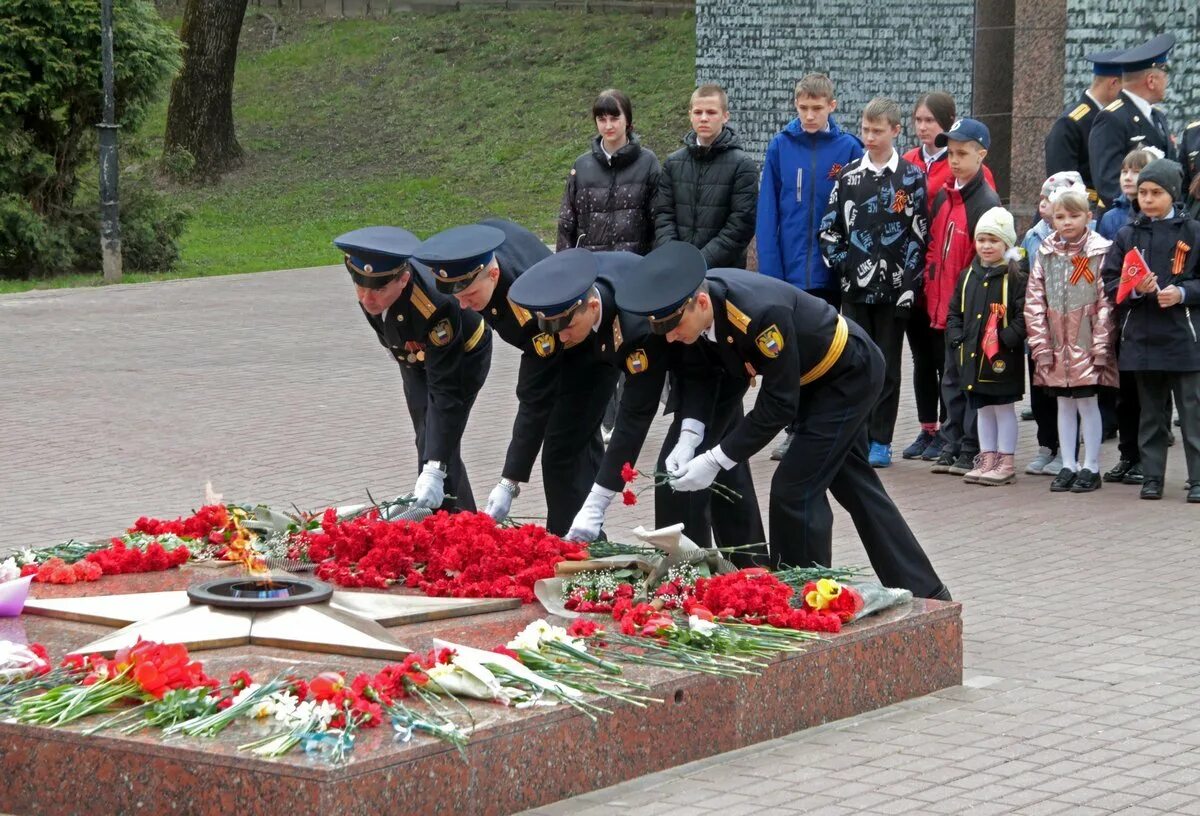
x=683 y=451
x=499 y=503
x=590 y=518
x=429 y=491
x=697 y=474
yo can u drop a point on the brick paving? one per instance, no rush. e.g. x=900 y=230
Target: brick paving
x=1080 y=636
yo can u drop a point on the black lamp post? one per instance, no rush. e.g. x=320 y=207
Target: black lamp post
x=110 y=209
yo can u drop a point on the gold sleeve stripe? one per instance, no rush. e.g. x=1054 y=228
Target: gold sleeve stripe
x=737 y=317
x=476 y=336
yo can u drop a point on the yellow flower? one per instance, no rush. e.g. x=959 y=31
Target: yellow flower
x=825 y=593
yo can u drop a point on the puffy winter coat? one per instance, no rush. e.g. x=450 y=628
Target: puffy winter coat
x=1154 y=338
x=953 y=216
x=608 y=203
x=798 y=177
x=978 y=288
x=1068 y=318
x=1118 y=215
x=938 y=170
x=706 y=196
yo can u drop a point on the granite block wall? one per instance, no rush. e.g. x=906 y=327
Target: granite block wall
x=758 y=49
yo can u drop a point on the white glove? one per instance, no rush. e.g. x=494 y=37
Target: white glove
x=698 y=473
x=429 y=491
x=684 y=450
x=501 y=498
x=590 y=517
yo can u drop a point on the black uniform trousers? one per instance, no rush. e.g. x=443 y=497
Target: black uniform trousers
x=707 y=517
x=572 y=447
x=880 y=322
x=928 y=358
x=1129 y=411
x=1154 y=392
x=829 y=453
x=958 y=431
x=1045 y=411
x=416 y=396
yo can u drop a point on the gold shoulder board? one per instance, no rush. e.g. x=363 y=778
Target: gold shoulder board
x=522 y=314
x=1191 y=125
x=1079 y=112
x=1116 y=103
x=737 y=317
x=421 y=301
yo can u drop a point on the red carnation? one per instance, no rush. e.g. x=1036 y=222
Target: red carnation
x=629 y=497
x=628 y=474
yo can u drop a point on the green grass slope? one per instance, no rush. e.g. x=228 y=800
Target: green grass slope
x=422 y=121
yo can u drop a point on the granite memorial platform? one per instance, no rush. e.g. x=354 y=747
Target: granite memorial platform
x=516 y=759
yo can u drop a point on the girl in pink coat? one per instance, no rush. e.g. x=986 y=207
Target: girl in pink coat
x=1070 y=326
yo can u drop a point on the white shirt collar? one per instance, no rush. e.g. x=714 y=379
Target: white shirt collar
x=599 y=315
x=930 y=158
x=891 y=164
x=710 y=333
x=1088 y=94
x=1142 y=105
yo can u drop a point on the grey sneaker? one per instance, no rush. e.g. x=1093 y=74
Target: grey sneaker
x=1038 y=465
x=1054 y=466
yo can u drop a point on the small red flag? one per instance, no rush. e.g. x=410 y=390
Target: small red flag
x=1133 y=271
x=991 y=332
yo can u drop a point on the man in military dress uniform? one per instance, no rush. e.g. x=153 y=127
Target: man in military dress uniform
x=1189 y=157
x=444 y=354
x=573 y=295
x=817 y=367
x=1131 y=121
x=562 y=389
x=1067 y=141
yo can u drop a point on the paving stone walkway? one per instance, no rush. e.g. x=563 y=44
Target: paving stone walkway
x=1081 y=636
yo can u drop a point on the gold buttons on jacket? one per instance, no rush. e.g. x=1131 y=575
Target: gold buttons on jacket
x=728 y=339
x=972 y=355
x=979 y=317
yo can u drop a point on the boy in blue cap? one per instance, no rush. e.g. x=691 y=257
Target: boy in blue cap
x=561 y=391
x=573 y=296
x=1131 y=121
x=444 y=354
x=817 y=368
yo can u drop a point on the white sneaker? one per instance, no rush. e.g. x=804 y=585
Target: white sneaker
x=1039 y=463
x=1054 y=466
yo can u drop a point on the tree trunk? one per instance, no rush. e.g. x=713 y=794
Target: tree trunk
x=200 y=113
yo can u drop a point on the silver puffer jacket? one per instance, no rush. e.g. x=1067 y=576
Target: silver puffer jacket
x=1070 y=325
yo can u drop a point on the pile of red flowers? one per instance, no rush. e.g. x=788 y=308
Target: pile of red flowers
x=57 y=571
x=756 y=596
x=465 y=555
x=155 y=668
x=212 y=523
x=120 y=559
x=583 y=599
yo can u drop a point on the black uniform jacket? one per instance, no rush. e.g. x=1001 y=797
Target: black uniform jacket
x=979 y=287
x=764 y=327
x=1189 y=157
x=1153 y=338
x=426 y=329
x=1117 y=130
x=1067 y=141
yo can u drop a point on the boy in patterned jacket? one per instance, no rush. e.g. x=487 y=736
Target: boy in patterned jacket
x=873 y=237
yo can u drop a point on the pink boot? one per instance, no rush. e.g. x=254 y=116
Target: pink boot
x=984 y=461
x=1004 y=472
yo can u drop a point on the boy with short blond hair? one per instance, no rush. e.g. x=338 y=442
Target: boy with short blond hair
x=873 y=237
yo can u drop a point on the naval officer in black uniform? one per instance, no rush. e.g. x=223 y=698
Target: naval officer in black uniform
x=562 y=389
x=816 y=367
x=444 y=354
x=573 y=295
x=1131 y=121
x=1067 y=141
x=1189 y=158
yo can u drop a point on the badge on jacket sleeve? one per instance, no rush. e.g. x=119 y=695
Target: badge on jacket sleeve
x=637 y=362
x=543 y=344
x=770 y=342
x=442 y=333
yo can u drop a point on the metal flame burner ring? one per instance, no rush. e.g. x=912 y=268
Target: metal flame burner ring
x=249 y=593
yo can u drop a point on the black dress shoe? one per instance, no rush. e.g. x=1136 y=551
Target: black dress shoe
x=1194 y=493
x=1118 y=471
x=1086 y=482
x=1063 y=481
x=1152 y=489
x=1135 y=475
x=942 y=594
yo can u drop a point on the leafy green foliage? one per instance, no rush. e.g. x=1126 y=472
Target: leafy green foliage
x=51 y=99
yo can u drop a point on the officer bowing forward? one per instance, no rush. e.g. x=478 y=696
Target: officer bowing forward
x=444 y=354
x=573 y=295
x=562 y=388
x=815 y=366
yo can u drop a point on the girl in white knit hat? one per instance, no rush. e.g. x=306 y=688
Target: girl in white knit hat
x=986 y=324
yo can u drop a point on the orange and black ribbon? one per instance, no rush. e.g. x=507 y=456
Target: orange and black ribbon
x=1081 y=269
x=1181 y=251
x=901 y=201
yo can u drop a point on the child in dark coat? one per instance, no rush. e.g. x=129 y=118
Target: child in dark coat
x=986 y=327
x=1159 y=321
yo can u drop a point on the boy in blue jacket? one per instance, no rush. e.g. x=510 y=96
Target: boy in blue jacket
x=802 y=163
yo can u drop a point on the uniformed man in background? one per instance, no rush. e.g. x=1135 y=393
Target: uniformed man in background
x=1189 y=157
x=1130 y=121
x=562 y=389
x=574 y=296
x=444 y=354
x=817 y=367
x=1067 y=141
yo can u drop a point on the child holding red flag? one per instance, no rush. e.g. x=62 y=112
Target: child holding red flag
x=1070 y=327
x=1159 y=316
x=986 y=327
